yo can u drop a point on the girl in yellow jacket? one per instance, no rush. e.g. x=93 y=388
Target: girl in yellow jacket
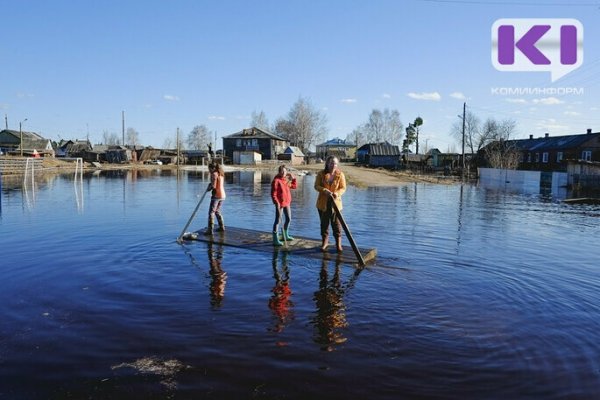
x=331 y=184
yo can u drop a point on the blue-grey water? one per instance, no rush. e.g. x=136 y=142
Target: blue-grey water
x=475 y=293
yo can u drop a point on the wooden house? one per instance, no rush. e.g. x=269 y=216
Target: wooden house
x=379 y=155
x=342 y=149
x=267 y=144
x=550 y=153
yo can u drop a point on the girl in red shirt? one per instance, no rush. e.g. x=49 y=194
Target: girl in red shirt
x=282 y=198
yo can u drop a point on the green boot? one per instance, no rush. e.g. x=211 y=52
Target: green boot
x=286 y=235
x=276 y=241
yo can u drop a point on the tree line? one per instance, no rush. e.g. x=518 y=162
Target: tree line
x=305 y=126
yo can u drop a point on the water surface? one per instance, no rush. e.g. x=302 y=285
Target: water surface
x=475 y=293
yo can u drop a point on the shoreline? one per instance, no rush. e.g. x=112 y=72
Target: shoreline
x=359 y=176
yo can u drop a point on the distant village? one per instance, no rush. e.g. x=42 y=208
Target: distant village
x=577 y=155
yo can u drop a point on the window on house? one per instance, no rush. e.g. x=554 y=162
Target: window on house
x=238 y=143
x=545 y=157
x=537 y=157
x=559 y=156
x=586 y=155
x=528 y=157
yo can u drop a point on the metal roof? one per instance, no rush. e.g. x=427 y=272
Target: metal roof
x=381 y=149
x=254 y=133
x=554 y=142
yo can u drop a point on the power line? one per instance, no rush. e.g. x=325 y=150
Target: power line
x=506 y=3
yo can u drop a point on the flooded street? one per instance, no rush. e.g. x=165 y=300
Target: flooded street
x=475 y=293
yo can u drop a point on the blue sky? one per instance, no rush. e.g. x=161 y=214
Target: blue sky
x=72 y=67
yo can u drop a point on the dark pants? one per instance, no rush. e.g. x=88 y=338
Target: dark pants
x=215 y=209
x=330 y=217
x=287 y=211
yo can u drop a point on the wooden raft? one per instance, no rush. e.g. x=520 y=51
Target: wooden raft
x=263 y=241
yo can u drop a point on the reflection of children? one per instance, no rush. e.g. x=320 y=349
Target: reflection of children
x=218 y=277
x=280 y=302
x=282 y=198
x=216 y=185
x=331 y=310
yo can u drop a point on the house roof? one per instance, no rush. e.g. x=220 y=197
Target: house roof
x=26 y=135
x=294 y=150
x=337 y=142
x=254 y=133
x=381 y=149
x=554 y=142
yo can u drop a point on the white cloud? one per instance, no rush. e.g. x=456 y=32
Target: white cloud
x=548 y=101
x=550 y=125
x=386 y=96
x=348 y=101
x=241 y=117
x=458 y=95
x=434 y=96
x=572 y=113
x=517 y=101
x=216 y=117
x=170 y=97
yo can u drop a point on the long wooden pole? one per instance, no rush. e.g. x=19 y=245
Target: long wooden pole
x=191 y=218
x=348 y=234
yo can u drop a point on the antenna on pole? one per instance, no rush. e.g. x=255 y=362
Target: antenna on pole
x=123 y=126
x=6 y=121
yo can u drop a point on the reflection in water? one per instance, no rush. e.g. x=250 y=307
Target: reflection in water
x=280 y=303
x=331 y=310
x=218 y=277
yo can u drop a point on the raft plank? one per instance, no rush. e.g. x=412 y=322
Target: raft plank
x=263 y=241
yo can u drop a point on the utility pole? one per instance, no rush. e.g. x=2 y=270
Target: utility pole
x=6 y=121
x=463 y=140
x=177 y=147
x=123 y=126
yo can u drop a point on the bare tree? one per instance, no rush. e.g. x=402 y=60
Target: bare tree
x=168 y=143
x=133 y=136
x=474 y=141
x=357 y=137
x=304 y=125
x=110 y=139
x=382 y=126
x=260 y=121
x=199 y=138
x=500 y=151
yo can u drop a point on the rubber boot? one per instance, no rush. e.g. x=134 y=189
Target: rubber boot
x=209 y=227
x=221 y=223
x=276 y=241
x=338 y=244
x=324 y=243
x=286 y=235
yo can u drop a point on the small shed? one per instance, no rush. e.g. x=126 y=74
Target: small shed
x=293 y=155
x=583 y=175
x=379 y=155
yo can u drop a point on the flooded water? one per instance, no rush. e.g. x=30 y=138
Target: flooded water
x=475 y=293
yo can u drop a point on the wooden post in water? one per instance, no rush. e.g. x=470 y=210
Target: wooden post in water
x=348 y=234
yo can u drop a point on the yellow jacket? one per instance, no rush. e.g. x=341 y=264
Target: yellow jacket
x=337 y=186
